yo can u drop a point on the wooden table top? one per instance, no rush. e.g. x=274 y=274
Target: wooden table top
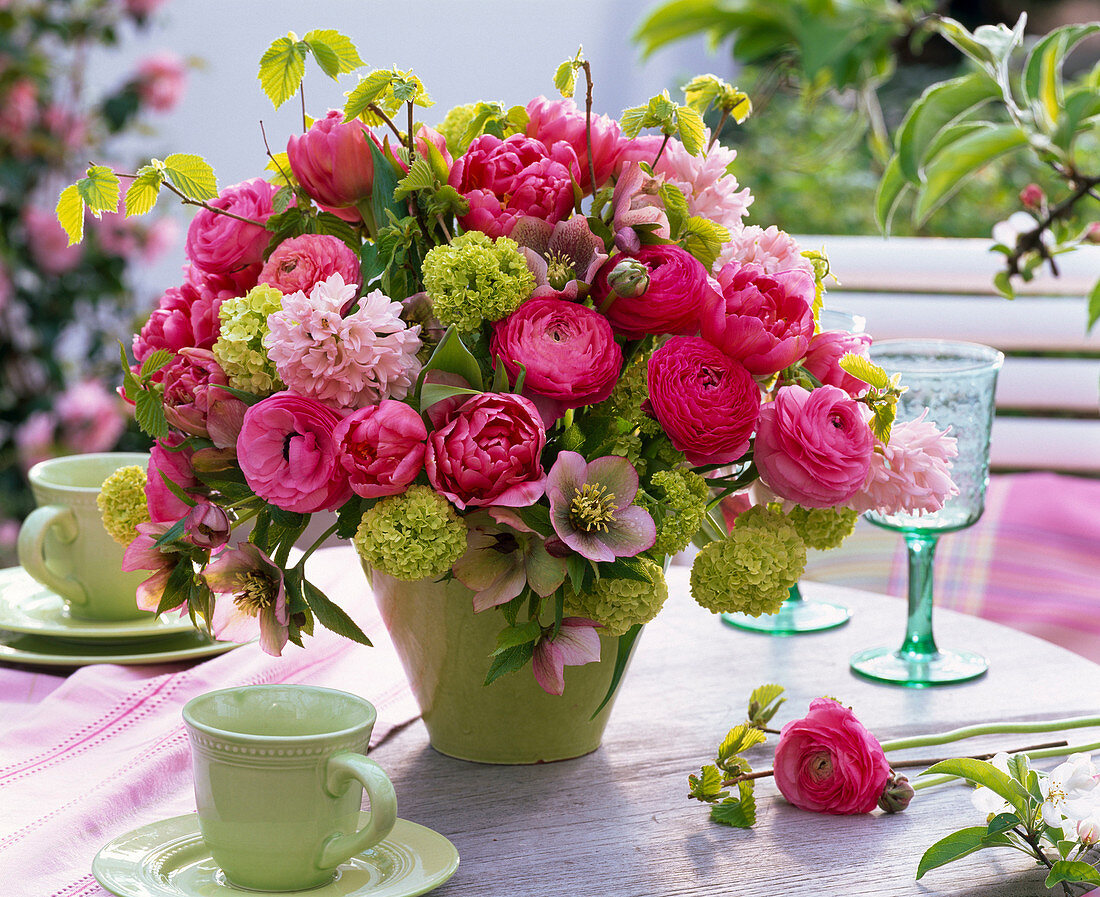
x=618 y=822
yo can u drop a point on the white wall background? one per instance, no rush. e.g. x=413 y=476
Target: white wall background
x=463 y=51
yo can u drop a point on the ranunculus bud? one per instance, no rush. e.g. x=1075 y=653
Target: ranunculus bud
x=207 y=525
x=897 y=793
x=629 y=279
x=1032 y=196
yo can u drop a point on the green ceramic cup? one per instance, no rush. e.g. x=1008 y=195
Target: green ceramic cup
x=63 y=545
x=279 y=779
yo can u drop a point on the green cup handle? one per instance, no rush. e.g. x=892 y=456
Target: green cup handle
x=343 y=768
x=31 y=547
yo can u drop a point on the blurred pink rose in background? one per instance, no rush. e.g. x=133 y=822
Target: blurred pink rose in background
x=19 y=110
x=161 y=80
x=48 y=242
x=829 y=763
x=91 y=417
x=813 y=448
x=35 y=438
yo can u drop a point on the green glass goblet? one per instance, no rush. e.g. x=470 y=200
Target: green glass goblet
x=956 y=382
x=799 y=614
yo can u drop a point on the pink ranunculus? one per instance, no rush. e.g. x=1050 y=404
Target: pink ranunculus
x=302 y=262
x=487 y=452
x=186 y=316
x=48 y=242
x=191 y=383
x=381 y=448
x=568 y=350
x=175 y=463
x=829 y=763
x=554 y=120
x=333 y=163
x=910 y=475
x=91 y=417
x=161 y=79
x=823 y=359
x=288 y=456
x=507 y=179
x=766 y=320
x=220 y=245
x=679 y=290
x=813 y=448
x=705 y=401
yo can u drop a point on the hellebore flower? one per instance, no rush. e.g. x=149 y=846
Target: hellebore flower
x=591 y=507
x=564 y=257
x=251 y=588
x=142 y=554
x=577 y=642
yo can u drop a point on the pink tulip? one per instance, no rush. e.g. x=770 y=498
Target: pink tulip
x=333 y=162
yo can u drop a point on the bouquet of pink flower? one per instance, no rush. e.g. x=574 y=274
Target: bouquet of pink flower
x=530 y=348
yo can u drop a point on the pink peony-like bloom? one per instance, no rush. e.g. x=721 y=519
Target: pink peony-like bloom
x=829 y=763
x=346 y=362
x=576 y=643
x=91 y=417
x=487 y=452
x=161 y=79
x=772 y=250
x=813 y=448
x=560 y=119
x=592 y=507
x=766 y=321
x=711 y=191
x=185 y=316
x=302 y=262
x=564 y=257
x=251 y=598
x=568 y=350
x=288 y=456
x=507 y=179
x=220 y=245
x=912 y=474
x=333 y=163
x=174 y=462
x=705 y=401
x=192 y=382
x=823 y=359
x=679 y=291
x=48 y=242
x=381 y=448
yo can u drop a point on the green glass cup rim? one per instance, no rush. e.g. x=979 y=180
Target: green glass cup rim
x=189 y=709
x=39 y=474
x=972 y=357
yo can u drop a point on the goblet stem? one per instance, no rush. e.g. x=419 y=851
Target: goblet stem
x=919 y=645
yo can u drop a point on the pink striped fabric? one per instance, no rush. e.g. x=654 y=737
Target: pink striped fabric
x=86 y=758
x=1032 y=562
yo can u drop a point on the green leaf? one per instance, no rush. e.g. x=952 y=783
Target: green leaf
x=982 y=773
x=366 y=93
x=707 y=786
x=692 y=129
x=349 y=516
x=420 y=177
x=282 y=68
x=154 y=362
x=626 y=568
x=192 y=174
x=385 y=183
x=955 y=846
x=509 y=661
x=178 y=587
x=939 y=106
x=511 y=636
x=865 y=370
x=1042 y=79
x=737 y=813
x=1072 y=871
x=703 y=239
x=1081 y=109
x=565 y=78
x=144 y=190
x=334 y=52
x=622 y=657
x=764 y=702
x=1094 y=305
x=431 y=393
x=947 y=172
x=99 y=189
x=676 y=207
x=739 y=739
x=331 y=615
x=1002 y=822
x=452 y=356
x=149 y=413
x=70 y=213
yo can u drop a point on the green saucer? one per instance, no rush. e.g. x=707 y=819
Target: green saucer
x=168 y=859
x=29 y=649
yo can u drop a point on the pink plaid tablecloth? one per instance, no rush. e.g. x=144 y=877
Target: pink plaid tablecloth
x=89 y=756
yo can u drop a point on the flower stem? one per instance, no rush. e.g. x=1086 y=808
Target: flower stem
x=588 y=123
x=932 y=781
x=1057 y=725
x=312 y=548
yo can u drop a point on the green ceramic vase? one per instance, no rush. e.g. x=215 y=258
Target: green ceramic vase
x=445 y=647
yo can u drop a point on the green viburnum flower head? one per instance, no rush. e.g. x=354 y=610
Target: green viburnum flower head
x=751 y=570
x=475 y=279
x=454 y=126
x=618 y=604
x=121 y=503
x=679 y=502
x=240 y=345
x=411 y=536
x=822 y=528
